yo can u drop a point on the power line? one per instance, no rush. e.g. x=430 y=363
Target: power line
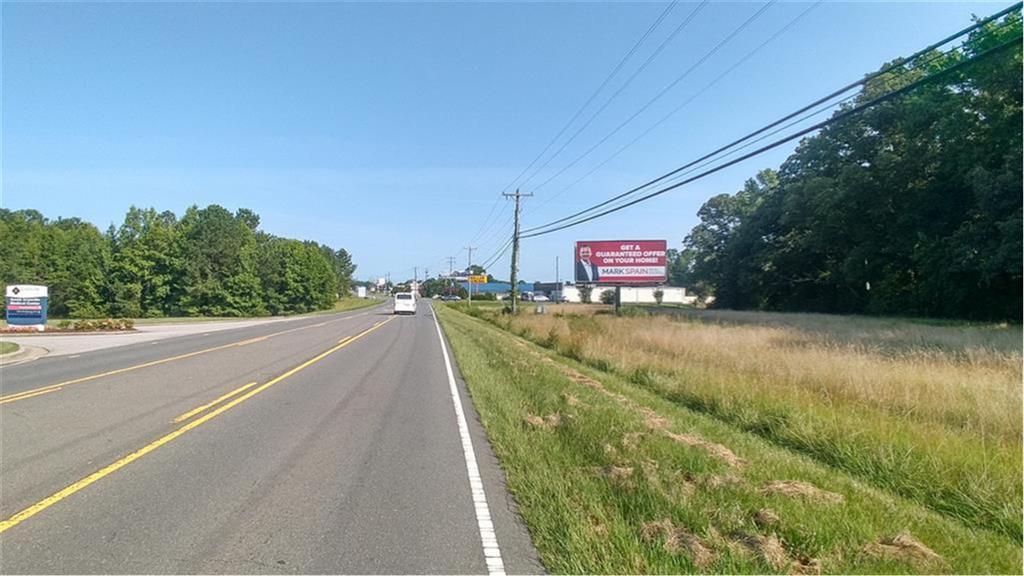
x=897 y=64
x=686 y=102
x=775 y=144
x=657 y=51
x=594 y=94
x=487 y=223
x=661 y=93
x=493 y=258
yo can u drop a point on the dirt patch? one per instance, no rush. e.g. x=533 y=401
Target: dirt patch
x=547 y=422
x=768 y=549
x=805 y=565
x=678 y=541
x=766 y=518
x=676 y=486
x=717 y=450
x=653 y=420
x=630 y=440
x=596 y=526
x=619 y=475
x=617 y=472
x=571 y=400
x=652 y=530
x=586 y=381
x=798 y=489
x=905 y=547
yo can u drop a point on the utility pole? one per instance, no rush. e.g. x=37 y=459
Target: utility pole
x=515 y=249
x=469 y=264
x=558 y=284
x=416 y=280
x=451 y=262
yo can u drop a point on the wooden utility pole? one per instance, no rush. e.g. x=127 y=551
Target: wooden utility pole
x=558 y=281
x=469 y=265
x=515 y=249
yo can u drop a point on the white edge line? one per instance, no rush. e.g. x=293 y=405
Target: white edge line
x=489 y=540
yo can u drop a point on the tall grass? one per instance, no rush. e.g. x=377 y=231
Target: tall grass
x=930 y=412
x=612 y=477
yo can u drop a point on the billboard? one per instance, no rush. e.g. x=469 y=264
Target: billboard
x=621 y=262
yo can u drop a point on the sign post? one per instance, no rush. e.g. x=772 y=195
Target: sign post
x=27 y=305
x=475 y=279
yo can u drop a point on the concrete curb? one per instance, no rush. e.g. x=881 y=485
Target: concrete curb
x=24 y=354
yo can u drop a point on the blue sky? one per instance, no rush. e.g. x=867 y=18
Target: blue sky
x=390 y=129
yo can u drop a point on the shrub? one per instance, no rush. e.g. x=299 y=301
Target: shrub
x=83 y=325
x=634 y=312
x=585 y=293
x=608 y=297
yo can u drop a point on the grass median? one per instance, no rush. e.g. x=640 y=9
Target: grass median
x=8 y=348
x=614 y=477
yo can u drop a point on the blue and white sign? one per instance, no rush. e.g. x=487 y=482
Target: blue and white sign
x=26 y=305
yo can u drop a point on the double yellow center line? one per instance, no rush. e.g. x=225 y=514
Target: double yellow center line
x=126 y=460
x=60 y=385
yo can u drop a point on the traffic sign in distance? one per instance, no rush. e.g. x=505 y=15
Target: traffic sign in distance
x=479 y=279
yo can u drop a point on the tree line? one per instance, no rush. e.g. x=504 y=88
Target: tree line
x=912 y=207
x=208 y=262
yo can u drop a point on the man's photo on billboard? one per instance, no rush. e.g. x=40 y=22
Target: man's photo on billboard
x=586 y=271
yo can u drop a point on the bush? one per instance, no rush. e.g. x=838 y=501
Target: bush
x=83 y=325
x=659 y=295
x=111 y=324
x=585 y=293
x=608 y=297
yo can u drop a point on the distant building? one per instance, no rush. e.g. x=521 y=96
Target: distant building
x=632 y=295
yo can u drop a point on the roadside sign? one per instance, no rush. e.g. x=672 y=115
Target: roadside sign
x=26 y=305
x=621 y=262
x=478 y=279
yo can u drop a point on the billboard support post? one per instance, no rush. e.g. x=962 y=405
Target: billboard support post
x=618 y=299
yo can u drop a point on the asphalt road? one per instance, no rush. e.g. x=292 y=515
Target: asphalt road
x=335 y=447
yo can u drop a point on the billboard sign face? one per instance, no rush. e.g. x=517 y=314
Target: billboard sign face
x=26 y=305
x=621 y=262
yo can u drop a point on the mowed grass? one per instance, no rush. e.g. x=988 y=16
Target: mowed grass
x=617 y=477
x=7 y=347
x=932 y=413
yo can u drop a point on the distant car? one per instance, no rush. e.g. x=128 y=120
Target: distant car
x=405 y=303
x=541 y=298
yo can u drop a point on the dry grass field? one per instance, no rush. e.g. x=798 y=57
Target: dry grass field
x=846 y=444
x=928 y=411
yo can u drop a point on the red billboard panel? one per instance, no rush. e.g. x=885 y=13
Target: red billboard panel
x=621 y=262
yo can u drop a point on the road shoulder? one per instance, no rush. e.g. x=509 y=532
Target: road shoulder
x=517 y=549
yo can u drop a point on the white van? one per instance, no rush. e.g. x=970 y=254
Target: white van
x=405 y=303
